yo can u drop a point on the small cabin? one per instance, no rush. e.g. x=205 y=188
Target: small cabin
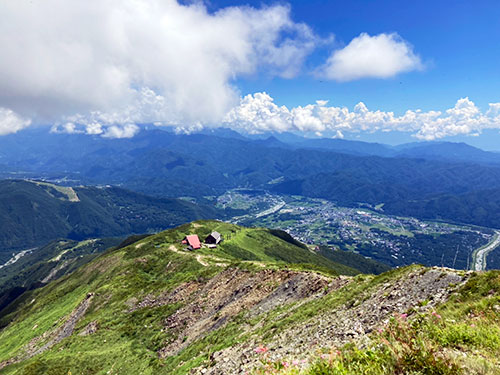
x=213 y=238
x=192 y=241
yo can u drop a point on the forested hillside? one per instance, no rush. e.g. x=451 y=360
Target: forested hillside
x=32 y=214
x=201 y=166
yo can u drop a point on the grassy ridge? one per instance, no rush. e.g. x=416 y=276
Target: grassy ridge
x=130 y=341
x=129 y=338
x=459 y=337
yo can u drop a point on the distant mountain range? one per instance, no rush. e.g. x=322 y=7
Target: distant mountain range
x=164 y=164
x=433 y=150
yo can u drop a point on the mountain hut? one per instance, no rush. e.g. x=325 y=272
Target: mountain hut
x=213 y=238
x=192 y=241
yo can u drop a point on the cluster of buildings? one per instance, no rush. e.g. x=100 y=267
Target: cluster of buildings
x=193 y=241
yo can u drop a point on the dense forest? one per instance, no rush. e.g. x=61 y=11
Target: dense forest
x=33 y=214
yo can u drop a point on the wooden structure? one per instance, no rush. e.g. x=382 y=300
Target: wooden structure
x=213 y=238
x=192 y=241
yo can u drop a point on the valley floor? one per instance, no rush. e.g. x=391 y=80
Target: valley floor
x=393 y=240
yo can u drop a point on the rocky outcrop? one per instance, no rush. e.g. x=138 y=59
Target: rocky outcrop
x=90 y=329
x=209 y=305
x=353 y=321
x=33 y=348
x=267 y=307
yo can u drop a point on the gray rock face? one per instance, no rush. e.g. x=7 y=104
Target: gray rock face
x=90 y=329
x=210 y=305
x=417 y=291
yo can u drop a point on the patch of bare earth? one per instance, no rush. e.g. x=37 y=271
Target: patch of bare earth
x=352 y=321
x=209 y=305
x=90 y=328
x=34 y=347
x=200 y=258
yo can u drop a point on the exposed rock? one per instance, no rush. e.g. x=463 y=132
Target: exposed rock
x=350 y=322
x=211 y=305
x=55 y=270
x=33 y=348
x=67 y=328
x=90 y=328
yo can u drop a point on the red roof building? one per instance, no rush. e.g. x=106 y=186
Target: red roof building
x=193 y=241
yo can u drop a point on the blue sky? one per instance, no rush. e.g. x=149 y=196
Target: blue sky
x=388 y=71
x=458 y=41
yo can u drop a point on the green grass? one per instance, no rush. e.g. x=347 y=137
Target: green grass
x=127 y=342
x=462 y=336
x=400 y=349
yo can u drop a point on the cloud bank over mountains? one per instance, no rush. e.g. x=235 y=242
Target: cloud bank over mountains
x=104 y=59
x=258 y=113
x=102 y=67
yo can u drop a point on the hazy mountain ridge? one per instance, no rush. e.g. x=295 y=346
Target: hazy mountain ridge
x=165 y=164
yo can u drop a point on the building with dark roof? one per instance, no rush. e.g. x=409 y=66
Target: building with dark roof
x=213 y=238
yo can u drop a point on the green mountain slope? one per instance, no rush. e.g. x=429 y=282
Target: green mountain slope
x=32 y=214
x=154 y=308
x=42 y=265
x=479 y=207
x=351 y=259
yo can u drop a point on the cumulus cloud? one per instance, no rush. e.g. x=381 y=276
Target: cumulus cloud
x=124 y=131
x=102 y=67
x=11 y=122
x=378 y=56
x=258 y=113
x=95 y=128
x=108 y=62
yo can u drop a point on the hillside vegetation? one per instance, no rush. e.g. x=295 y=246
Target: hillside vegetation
x=352 y=259
x=42 y=265
x=32 y=214
x=259 y=303
x=478 y=207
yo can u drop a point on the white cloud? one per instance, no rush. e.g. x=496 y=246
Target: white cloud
x=123 y=61
x=379 y=56
x=68 y=127
x=101 y=67
x=121 y=131
x=258 y=113
x=11 y=122
x=96 y=128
